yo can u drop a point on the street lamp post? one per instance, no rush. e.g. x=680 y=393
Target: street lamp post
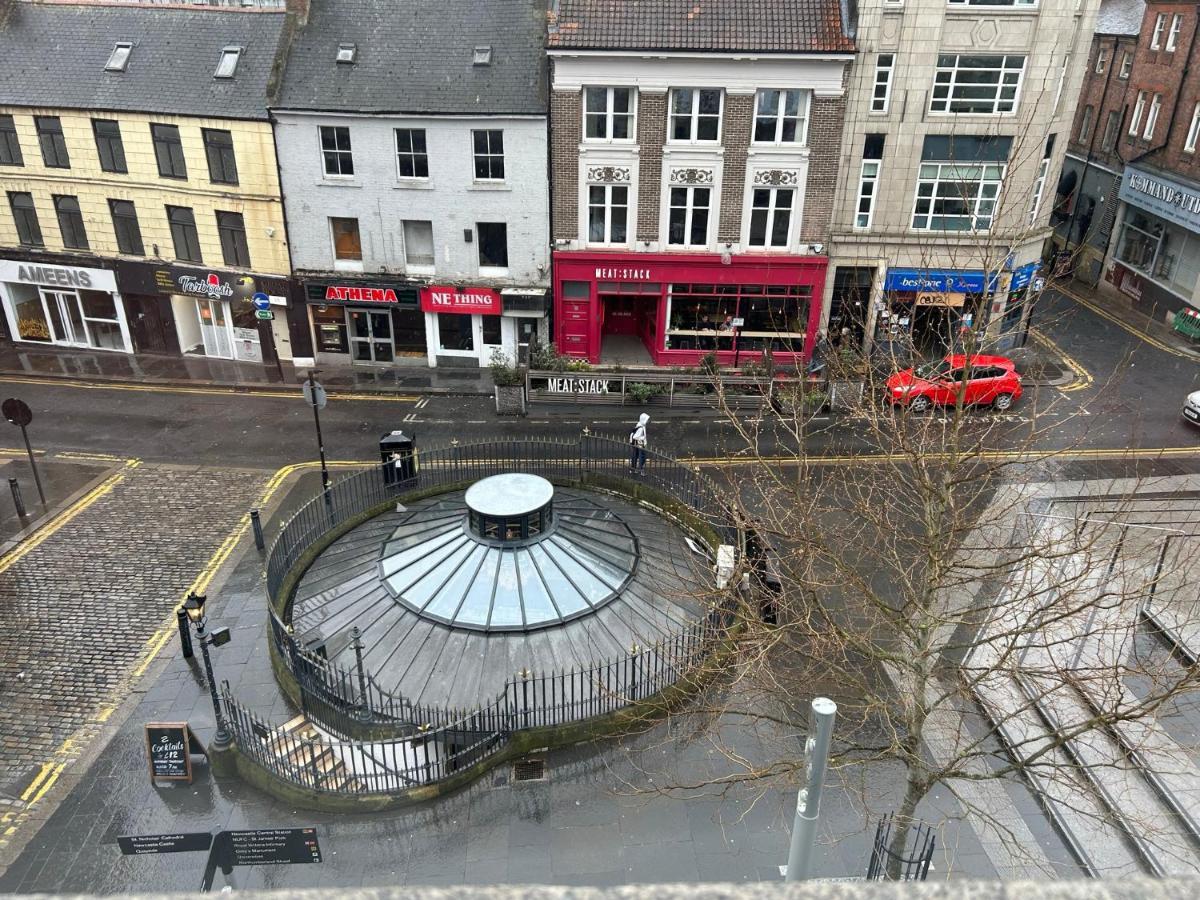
x=808 y=801
x=194 y=607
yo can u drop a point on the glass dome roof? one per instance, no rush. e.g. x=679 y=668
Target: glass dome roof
x=497 y=560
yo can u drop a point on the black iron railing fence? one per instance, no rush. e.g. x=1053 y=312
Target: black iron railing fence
x=414 y=744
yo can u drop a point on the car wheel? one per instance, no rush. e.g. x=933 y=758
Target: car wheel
x=919 y=403
x=1003 y=402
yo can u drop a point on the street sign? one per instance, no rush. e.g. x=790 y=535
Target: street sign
x=142 y=844
x=274 y=845
x=264 y=314
x=313 y=389
x=261 y=301
x=17 y=412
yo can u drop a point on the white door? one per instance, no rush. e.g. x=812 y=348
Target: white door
x=492 y=338
x=66 y=319
x=216 y=332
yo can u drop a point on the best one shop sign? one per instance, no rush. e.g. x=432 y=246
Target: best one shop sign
x=476 y=300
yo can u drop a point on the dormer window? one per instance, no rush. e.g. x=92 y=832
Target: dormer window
x=120 y=57
x=346 y=53
x=228 y=63
x=483 y=56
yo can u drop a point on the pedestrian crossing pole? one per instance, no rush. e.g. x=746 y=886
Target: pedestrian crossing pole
x=808 y=801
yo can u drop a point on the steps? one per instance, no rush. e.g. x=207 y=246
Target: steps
x=301 y=748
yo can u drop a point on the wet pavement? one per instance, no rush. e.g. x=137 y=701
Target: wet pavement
x=608 y=812
x=61 y=482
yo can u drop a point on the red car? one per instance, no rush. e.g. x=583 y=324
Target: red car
x=990 y=380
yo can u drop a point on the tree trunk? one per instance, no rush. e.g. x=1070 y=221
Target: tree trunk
x=902 y=824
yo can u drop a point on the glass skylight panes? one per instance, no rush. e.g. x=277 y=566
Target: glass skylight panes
x=119 y=58
x=227 y=65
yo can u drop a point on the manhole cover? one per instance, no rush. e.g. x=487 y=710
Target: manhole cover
x=529 y=770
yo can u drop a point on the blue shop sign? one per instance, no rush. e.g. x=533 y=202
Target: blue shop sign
x=940 y=280
x=1023 y=275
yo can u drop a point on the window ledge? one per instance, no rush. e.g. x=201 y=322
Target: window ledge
x=413 y=184
x=419 y=270
x=493 y=271
x=489 y=186
x=330 y=182
x=342 y=265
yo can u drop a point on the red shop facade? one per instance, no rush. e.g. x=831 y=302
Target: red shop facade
x=673 y=309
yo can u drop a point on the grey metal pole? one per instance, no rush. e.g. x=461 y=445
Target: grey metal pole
x=222 y=739
x=808 y=801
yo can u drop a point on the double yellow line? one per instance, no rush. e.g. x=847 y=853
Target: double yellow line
x=1121 y=323
x=1083 y=378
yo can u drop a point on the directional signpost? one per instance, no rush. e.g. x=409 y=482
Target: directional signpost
x=262 y=306
x=18 y=413
x=314 y=394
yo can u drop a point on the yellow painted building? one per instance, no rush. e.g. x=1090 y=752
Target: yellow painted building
x=140 y=193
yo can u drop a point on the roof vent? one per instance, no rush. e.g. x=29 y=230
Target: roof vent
x=483 y=56
x=347 y=53
x=120 y=57
x=227 y=65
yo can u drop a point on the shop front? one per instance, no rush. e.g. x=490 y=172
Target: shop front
x=65 y=306
x=926 y=309
x=673 y=310
x=365 y=322
x=204 y=312
x=465 y=326
x=1157 y=250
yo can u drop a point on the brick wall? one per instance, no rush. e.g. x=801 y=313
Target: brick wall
x=1160 y=71
x=652 y=134
x=739 y=119
x=1103 y=93
x=566 y=130
x=825 y=142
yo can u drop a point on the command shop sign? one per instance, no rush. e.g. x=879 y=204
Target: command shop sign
x=1162 y=196
x=482 y=300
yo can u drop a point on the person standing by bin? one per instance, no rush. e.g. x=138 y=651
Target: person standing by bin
x=637 y=446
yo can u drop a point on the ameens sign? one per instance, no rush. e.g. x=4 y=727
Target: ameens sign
x=57 y=276
x=485 y=301
x=345 y=294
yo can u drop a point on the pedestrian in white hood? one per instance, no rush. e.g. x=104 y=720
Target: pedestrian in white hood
x=637 y=446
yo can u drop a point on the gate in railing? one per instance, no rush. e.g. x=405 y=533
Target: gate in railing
x=413 y=744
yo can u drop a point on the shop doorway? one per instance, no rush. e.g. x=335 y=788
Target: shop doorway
x=150 y=328
x=216 y=331
x=66 y=318
x=370 y=335
x=626 y=321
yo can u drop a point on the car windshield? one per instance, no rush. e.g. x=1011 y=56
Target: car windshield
x=932 y=370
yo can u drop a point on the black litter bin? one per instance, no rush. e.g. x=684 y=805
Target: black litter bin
x=396 y=452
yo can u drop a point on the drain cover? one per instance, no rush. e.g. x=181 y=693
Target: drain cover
x=529 y=770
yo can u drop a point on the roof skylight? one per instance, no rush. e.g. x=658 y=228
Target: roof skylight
x=483 y=56
x=227 y=65
x=346 y=53
x=119 y=58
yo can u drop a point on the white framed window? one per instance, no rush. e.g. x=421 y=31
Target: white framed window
x=1039 y=183
x=1085 y=123
x=1062 y=81
x=1024 y=3
x=771 y=216
x=608 y=214
x=688 y=219
x=412 y=156
x=1189 y=145
x=1173 y=34
x=781 y=117
x=868 y=182
x=985 y=85
x=336 y=154
x=1138 y=108
x=347 y=245
x=1152 y=117
x=488 y=148
x=956 y=196
x=1101 y=60
x=881 y=96
x=1160 y=22
x=418 y=243
x=608 y=113
x=696 y=115
x=1126 y=65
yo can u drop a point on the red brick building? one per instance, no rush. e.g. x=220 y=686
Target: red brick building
x=694 y=157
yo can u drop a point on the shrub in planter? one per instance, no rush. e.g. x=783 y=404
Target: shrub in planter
x=642 y=392
x=510 y=385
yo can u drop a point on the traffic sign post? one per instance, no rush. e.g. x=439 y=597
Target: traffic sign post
x=261 y=301
x=264 y=314
x=18 y=413
x=314 y=393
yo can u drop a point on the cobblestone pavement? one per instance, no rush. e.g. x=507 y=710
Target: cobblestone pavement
x=77 y=609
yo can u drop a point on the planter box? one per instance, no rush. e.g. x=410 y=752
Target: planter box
x=510 y=400
x=845 y=394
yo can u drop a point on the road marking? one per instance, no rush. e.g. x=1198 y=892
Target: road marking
x=411 y=417
x=52 y=768
x=422 y=403
x=1083 y=378
x=216 y=391
x=48 y=530
x=1121 y=323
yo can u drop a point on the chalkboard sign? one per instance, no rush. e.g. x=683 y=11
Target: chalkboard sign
x=169 y=746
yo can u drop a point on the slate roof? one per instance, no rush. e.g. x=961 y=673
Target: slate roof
x=54 y=55
x=766 y=26
x=1122 y=17
x=415 y=56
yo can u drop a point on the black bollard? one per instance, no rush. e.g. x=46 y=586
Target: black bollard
x=185 y=633
x=259 y=541
x=16 y=495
